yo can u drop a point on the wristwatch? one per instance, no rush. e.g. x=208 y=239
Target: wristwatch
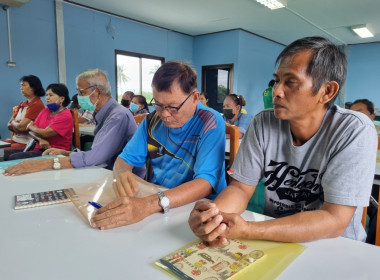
x=56 y=164
x=164 y=201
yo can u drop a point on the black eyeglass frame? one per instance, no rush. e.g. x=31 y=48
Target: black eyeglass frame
x=170 y=109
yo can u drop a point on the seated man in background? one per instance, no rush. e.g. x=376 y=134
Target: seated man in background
x=115 y=127
x=184 y=142
x=318 y=160
x=127 y=98
x=366 y=107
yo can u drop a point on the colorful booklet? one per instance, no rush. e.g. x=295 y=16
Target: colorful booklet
x=199 y=261
x=43 y=198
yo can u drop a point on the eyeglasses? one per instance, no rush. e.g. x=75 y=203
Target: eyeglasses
x=171 y=109
x=80 y=90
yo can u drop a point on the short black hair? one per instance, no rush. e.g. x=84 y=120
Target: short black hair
x=328 y=62
x=74 y=101
x=369 y=104
x=172 y=71
x=61 y=90
x=204 y=94
x=35 y=83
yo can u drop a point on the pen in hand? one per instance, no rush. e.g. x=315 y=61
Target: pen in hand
x=95 y=204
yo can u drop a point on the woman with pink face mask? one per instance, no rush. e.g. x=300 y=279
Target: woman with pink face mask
x=53 y=127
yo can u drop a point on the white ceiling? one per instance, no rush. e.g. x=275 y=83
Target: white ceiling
x=328 y=18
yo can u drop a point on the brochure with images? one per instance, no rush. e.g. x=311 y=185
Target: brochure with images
x=199 y=261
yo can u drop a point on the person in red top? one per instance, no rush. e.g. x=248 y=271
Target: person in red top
x=26 y=111
x=52 y=128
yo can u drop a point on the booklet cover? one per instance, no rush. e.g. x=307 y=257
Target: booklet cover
x=199 y=261
x=43 y=198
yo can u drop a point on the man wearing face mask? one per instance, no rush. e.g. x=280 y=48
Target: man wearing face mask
x=115 y=126
x=232 y=113
x=127 y=98
x=84 y=116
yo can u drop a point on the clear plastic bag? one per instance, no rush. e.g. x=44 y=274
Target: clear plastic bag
x=102 y=192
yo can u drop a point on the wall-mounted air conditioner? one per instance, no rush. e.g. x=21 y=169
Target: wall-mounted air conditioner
x=14 y=3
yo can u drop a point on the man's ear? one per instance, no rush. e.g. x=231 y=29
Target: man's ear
x=196 y=96
x=329 y=90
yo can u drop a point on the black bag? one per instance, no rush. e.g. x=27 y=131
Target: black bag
x=30 y=146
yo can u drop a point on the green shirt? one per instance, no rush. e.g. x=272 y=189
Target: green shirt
x=267 y=97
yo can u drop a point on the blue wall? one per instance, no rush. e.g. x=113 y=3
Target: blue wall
x=255 y=69
x=33 y=37
x=363 y=73
x=253 y=58
x=88 y=45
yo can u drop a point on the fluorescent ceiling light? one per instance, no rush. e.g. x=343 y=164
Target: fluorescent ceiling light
x=362 y=31
x=271 y=4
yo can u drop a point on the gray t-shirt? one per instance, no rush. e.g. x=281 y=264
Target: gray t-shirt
x=336 y=165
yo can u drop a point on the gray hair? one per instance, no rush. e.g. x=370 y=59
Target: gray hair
x=96 y=77
x=328 y=62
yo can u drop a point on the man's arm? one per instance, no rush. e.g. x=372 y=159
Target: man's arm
x=107 y=142
x=128 y=210
x=216 y=222
x=30 y=166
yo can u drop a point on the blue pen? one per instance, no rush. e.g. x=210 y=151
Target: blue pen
x=95 y=204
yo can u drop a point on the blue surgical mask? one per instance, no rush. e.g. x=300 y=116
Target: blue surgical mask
x=133 y=107
x=53 y=107
x=85 y=102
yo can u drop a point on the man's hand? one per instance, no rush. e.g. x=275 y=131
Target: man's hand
x=206 y=222
x=126 y=185
x=26 y=166
x=121 y=212
x=213 y=226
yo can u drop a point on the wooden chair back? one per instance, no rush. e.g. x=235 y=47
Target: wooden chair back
x=233 y=132
x=139 y=118
x=76 y=133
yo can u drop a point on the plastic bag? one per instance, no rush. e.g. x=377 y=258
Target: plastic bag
x=102 y=192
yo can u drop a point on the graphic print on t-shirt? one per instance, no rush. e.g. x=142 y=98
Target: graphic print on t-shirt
x=291 y=190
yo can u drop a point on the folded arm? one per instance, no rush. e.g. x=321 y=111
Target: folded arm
x=18 y=127
x=44 y=133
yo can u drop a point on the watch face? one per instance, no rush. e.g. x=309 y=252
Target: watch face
x=56 y=165
x=165 y=201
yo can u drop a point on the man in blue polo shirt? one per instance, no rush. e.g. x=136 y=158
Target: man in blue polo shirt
x=185 y=143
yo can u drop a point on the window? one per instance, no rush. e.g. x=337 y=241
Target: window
x=134 y=72
x=217 y=83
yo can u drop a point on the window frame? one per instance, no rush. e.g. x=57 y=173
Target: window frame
x=138 y=55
